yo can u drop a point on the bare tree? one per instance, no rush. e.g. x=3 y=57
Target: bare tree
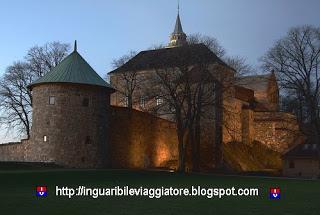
x=296 y=60
x=211 y=42
x=189 y=92
x=15 y=98
x=42 y=59
x=171 y=89
x=127 y=81
x=238 y=63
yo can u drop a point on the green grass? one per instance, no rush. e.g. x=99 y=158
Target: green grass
x=17 y=193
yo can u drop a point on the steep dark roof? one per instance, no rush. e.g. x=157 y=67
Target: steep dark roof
x=170 y=57
x=255 y=82
x=309 y=149
x=178 y=26
x=73 y=69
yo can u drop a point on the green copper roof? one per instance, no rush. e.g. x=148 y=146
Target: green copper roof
x=73 y=69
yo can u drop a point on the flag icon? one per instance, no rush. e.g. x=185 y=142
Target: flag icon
x=41 y=190
x=274 y=193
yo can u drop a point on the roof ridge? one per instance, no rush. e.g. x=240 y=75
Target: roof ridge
x=149 y=59
x=257 y=75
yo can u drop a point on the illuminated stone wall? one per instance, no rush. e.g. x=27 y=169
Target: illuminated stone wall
x=139 y=140
x=276 y=130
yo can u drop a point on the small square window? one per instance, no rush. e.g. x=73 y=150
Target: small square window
x=159 y=101
x=45 y=138
x=126 y=101
x=142 y=101
x=85 y=102
x=51 y=100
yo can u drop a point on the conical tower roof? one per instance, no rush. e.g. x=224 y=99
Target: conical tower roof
x=177 y=37
x=178 y=27
x=73 y=69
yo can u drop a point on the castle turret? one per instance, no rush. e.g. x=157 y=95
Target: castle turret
x=178 y=37
x=70 y=114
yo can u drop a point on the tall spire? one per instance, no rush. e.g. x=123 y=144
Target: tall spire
x=178 y=26
x=75 y=46
x=178 y=37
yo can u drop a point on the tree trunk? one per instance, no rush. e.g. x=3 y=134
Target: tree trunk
x=181 y=146
x=130 y=101
x=218 y=126
x=197 y=140
x=181 y=162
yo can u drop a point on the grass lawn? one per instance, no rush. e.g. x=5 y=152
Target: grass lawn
x=18 y=193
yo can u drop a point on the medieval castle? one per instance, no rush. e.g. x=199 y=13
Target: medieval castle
x=81 y=121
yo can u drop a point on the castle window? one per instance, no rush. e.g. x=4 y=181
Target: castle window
x=51 y=100
x=88 y=140
x=45 y=138
x=291 y=165
x=85 y=102
x=159 y=101
x=142 y=101
x=126 y=101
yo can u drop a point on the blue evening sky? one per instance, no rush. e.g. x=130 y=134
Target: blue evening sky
x=108 y=29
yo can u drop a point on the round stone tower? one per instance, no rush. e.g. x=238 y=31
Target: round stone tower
x=70 y=115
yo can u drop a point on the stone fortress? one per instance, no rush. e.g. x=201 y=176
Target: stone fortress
x=81 y=121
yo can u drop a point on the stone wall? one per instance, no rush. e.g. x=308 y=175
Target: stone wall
x=247 y=127
x=139 y=140
x=277 y=130
x=14 y=151
x=76 y=133
x=129 y=138
x=233 y=120
x=308 y=168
